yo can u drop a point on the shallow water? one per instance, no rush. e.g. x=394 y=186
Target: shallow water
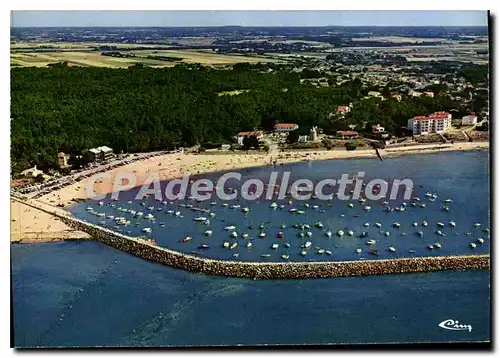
x=87 y=294
x=460 y=176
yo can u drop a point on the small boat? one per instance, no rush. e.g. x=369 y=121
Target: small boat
x=303 y=252
x=340 y=233
x=204 y=246
x=207 y=222
x=396 y=224
x=367 y=208
x=168 y=212
x=373 y=252
x=280 y=235
x=486 y=229
x=208 y=233
x=234 y=234
x=236 y=206
x=415 y=224
x=480 y=240
x=328 y=252
x=187 y=239
x=200 y=218
x=424 y=223
x=283 y=225
x=177 y=213
x=281 y=206
x=379 y=225
x=285 y=256
x=363 y=234
x=448 y=201
x=262 y=234
x=213 y=203
x=371 y=242
x=245 y=209
x=472 y=245
x=423 y=205
x=319 y=225
x=225 y=205
x=358 y=251
x=140 y=213
x=315 y=206
x=477 y=224
x=273 y=205
x=89 y=208
x=244 y=235
x=306 y=205
x=249 y=244
x=101 y=203
x=301 y=234
x=446 y=208
x=236 y=255
x=412 y=251
x=321 y=251
x=265 y=255
x=149 y=217
x=440 y=233
x=430 y=247
x=287 y=245
x=147 y=230
x=350 y=232
x=392 y=249
x=274 y=246
x=292 y=210
x=307 y=244
x=306 y=226
x=420 y=233
x=226 y=244
x=328 y=233
x=387 y=233
x=151 y=207
x=366 y=224
x=351 y=205
x=230 y=228
x=437 y=245
x=300 y=211
x=440 y=224
x=233 y=245
x=309 y=234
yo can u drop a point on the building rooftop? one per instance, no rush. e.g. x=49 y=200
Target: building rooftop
x=285 y=125
x=255 y=133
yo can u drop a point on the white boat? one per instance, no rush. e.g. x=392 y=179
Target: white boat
x=285 y=256
x=149 y=216
x=424 y=223
x=300 y=211
x=273 y=205
x=249 y=244
x=274 y=246
x=480 y=240
x=140 y=213
x=420 y=233
x=101 y=203
x=170 y=211
x=319 y=224
x=233 y=245
x=396 y=224
x=110 y=217
x=234 y=234
x=350 y=232
x=208 y=233
x=245 y=209
x=187 y=239
x=358 y=251
x=307 y=244
x=371 y=242
x=452 y=224
x=366 y=224
x=392 y=249
x=351 y=205
x=244 y=235
x=328 y=252
x=262 y=234
x=200 y=218
x=387 y=233
x=229 y=228
x=236 y=206
x=328 y=233
x=340 y=233
x=448 y=201
x=212 y=215
x=177 y=213
x=437 y=245
x=147 y=230
x=225 y=244
x=265 y=255
x=287 y=245
x=367 y=208
x=321 y=251
x=472 y=245
x=306 y=226
x=292 y=210
x=303 y=252
x=315 y=206
x=430 y=247
x=225 y=204
x=423 y=205
x=440 y=224
x=151 y=207
x=89 y=208
x=213 y=203
x=379 y=225
x=309 y=234
x=477 y=224
x=415 y=224
x=235 y=255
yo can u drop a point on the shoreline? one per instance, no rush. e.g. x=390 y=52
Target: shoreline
x=170 y=167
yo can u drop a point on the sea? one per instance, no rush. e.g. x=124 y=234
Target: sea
x=76 y=294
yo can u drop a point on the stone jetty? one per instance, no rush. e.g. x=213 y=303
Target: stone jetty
x=272 y=270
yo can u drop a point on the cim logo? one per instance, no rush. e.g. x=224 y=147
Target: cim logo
x=454 y=325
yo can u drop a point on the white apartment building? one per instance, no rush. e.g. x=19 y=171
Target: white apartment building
x=437 y=122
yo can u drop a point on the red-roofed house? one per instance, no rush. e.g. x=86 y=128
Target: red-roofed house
x=469 y=120
x=436 y=122
x=242 y=135
x=285 y=127
x=347 y=134
x=343 y=109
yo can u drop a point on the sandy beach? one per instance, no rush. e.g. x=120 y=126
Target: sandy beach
x=32 y=225
x=175 y=166
x=29 y=225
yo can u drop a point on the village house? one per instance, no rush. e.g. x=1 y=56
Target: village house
x=62 y=160
x=397 y=97
x=31 y=173
x=347 y=134
x=99 y=153
x=377 y=128
x=437 y=122
x=285 y=127
x=343 y=109
x=469 y=120
x=241 y=136
x=428 y=94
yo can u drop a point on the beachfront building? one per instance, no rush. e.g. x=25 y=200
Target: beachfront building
x=347 y=134
x=31 y=173
x=241 y=136
x=62 y=160
x=469 y=120
x=99 y=153
x=377 y=128
x=285 y=127
x=437 y=122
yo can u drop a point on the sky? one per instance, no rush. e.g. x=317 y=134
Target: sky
x=72 y=18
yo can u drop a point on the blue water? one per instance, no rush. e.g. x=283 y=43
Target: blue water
x=88 y=294
x=462 y=177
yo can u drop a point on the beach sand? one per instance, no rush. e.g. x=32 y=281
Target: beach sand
x=175 y=166
x=30 y=225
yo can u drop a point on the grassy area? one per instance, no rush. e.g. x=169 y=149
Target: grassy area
x=231 y=93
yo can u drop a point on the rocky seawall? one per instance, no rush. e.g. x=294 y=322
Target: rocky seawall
x=273 y=270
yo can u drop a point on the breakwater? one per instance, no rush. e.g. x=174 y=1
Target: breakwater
x=269 y=270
